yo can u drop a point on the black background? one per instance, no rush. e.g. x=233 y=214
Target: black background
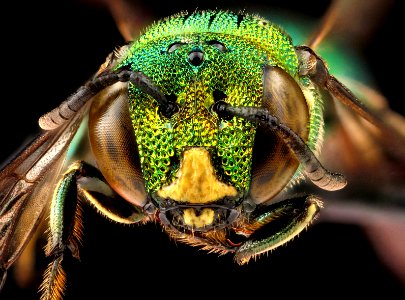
x=49 y=49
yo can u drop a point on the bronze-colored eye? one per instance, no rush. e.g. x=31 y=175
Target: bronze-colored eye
x=273 y=163
x=113 y=143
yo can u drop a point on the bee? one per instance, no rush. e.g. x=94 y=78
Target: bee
x=205 y=125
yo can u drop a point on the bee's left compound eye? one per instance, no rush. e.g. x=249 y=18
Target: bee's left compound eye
x=273 y=163
x=196 y=57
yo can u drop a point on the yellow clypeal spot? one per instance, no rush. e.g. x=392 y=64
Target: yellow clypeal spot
x=196 y=181
x=204 y=218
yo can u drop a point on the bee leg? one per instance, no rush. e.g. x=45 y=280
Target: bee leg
x=65 y=226
x=313 y=66
x=274 y=225
x=65 y=221
x=94 y=189
x=3 y=277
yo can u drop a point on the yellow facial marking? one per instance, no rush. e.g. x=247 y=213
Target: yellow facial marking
x=205 y=218
x=196 y=181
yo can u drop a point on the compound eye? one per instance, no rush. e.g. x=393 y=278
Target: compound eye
x=221 y=47
x=273 y=162
x=173 y=47
x=113 y=143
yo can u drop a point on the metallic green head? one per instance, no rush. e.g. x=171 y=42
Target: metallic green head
x=195 y=60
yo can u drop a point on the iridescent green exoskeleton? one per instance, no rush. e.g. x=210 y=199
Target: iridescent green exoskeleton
x=203 y=124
